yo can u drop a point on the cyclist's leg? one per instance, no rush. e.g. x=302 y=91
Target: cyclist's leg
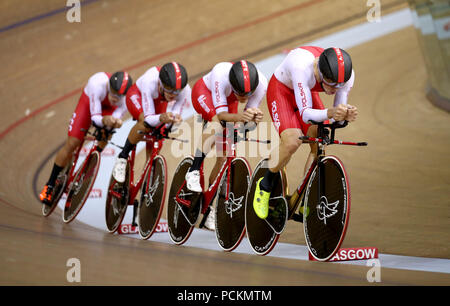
x=284 y=114
x=134 y=106
x=216 y=169
x=203 y=105
x=78 y=126
x=133 y=101
x=312 y=156
x=312 y=132
x=203 y=147
x=282 y=107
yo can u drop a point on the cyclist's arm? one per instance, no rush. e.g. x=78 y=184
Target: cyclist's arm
x=183 y=99
x=148 y=104
x=341 y=95
x=121 y=109
x=303 y=98
x=96 y=91
x=218 y=84
x=228 y=117
x=255 y=100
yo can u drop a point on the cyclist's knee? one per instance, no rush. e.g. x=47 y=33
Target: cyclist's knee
x=291 y=143
x=292 y=146
x=72 y=143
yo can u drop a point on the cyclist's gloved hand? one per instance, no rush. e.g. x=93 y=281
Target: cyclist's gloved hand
x=112 y=122
x=352 y=112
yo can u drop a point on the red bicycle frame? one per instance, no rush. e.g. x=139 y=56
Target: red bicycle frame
x=209 y=195
x=135 y=187
x=157 y=146
x=72 y=172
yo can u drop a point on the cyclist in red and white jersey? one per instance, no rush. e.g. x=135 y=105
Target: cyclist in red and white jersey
x=158 y=97
x=216 y=97
x=293 y=100
x=102 y=102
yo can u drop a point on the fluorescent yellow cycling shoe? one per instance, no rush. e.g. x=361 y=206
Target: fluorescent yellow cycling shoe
x=261 y=201
x=302 y=211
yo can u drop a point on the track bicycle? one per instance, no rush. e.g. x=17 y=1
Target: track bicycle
x=80 y=183
x=323 y=199
x=151 y=183
x=231 y=183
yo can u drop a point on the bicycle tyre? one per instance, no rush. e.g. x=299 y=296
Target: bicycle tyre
x=261 y=236
x=230 y=215
x=117 y=201
x=181 y=220
x=81 y=187
x=153 y=194
x=58 y=190
x=326 y=223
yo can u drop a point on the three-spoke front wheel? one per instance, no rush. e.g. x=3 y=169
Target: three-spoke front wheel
x=153 y=193
x=117 y=201
x=230 y=209
x=81 y=186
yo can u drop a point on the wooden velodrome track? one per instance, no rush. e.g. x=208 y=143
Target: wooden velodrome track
x=400 y=183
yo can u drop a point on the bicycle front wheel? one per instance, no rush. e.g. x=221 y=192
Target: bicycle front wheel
x=230 y=209
x=327 y=208
x=58 y=190
x=263 y=234
x=153 y=194
x=81 y=186
x=117 y=201
x=181 y=219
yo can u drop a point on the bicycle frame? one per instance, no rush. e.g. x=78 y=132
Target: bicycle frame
x=135 y=187
x=323 y=140
x=72 y=172
x=210 y=193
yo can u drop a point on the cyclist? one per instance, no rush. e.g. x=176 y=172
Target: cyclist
x=293 y=99
x=158 y=97
x=102 y=102
x=216 y=97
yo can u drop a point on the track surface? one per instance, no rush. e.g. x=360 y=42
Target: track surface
x=400 y=183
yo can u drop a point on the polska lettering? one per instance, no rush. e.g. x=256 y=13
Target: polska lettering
x=302 y=94
x=276 y=119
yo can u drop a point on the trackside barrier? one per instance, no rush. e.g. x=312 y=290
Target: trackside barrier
x=126 y=229
x=352 y=254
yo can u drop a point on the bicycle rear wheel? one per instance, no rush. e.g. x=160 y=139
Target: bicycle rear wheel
x=153 y=194
x=327 y=198
x=81 y=186
x=58 y=190
x=263 y=234
x=230 y=213
x=181 y=219
x=117 y=201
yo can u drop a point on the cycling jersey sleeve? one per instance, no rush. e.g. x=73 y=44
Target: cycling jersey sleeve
x=255 y=100
x=148 y=104
x=96 y=90
x=121 y=109
x=182 y=100
x=303 y=98
x=342 y=94
x=218 y=85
